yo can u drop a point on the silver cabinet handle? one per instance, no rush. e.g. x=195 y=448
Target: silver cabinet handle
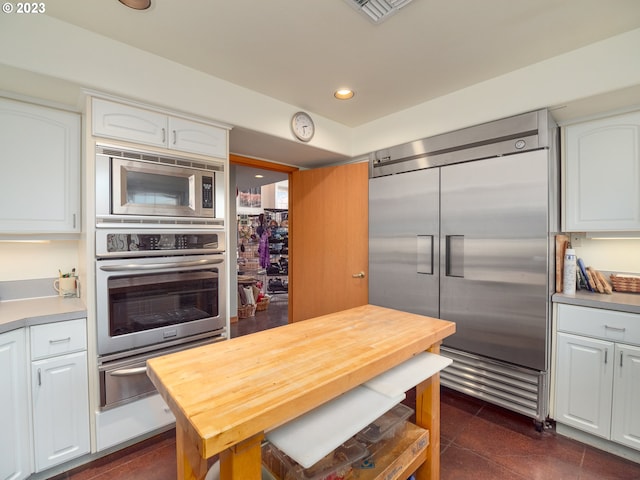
x=615 y=329
x=175 y=137
x=127 y=372
x=164 y=135
x=60 y=340
x=39 y=377
x=358 y=275
x=606 y=354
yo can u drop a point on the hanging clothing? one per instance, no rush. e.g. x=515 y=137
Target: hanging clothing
x=263 y=249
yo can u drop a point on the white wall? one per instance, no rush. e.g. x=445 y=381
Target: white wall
x=26 y=261
x=619 y=256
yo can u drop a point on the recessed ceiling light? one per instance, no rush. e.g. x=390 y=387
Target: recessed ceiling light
x=343 y=94
x=137 y=4
x=259 y=176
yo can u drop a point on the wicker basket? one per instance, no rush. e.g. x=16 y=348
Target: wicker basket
x=246 y=311
x=263 y=304
x=623 y=283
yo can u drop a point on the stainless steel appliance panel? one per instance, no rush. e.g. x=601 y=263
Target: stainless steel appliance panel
x=146 y=242
x=135 y=186
x=494 y=254
x=123 y=380
x=404 y=242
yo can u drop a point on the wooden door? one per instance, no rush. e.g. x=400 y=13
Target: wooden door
x=328 y=240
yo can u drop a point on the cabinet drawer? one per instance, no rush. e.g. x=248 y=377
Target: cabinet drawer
x=594 y=322
x=58 y=338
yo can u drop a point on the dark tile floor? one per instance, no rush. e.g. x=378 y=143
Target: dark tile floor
x=479 y=441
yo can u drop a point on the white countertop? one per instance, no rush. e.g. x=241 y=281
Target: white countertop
x=35 y=311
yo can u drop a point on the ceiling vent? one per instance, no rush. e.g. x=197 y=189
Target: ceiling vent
x=377 y=11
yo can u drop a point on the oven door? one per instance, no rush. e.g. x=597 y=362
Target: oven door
x=146 y=303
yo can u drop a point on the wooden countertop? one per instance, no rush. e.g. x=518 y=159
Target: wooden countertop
x=224 y=393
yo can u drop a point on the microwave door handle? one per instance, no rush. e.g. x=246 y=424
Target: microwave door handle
x=127 y=372
x=158 y=266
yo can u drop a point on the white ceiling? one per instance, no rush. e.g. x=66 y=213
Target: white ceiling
x=246 y=177
x=300 y=51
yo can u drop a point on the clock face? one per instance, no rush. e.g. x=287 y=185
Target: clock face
x=302 y=126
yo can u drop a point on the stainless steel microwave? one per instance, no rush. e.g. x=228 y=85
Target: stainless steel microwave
x=151 y=188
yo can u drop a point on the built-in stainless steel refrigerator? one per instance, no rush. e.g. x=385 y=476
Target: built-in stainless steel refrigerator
x=461 y=228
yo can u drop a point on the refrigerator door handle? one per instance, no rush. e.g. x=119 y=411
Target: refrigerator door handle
x=454 y=256
x=424 y=254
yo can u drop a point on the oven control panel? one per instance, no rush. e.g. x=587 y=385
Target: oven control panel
x=118 y=243
x=207 y=191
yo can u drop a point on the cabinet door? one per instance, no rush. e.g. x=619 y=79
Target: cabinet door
x=60 y=409
x=195 y=137
x=625 y=426
x=115 y=120
x=584 y=383
x=40 y=181
x=603 y=174
x=14 y=416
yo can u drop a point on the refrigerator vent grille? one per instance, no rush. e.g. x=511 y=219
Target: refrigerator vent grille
x=508 y=386
x=377 y=11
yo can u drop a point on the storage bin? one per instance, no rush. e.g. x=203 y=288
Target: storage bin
x=263 y=304
x=246 y=311
x=214 y=473
x=335 y=466
x=386 y=425
x=626 y=283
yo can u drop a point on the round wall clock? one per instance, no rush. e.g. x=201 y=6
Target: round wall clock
x=302 y=126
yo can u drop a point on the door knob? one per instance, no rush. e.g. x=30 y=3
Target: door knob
x=358 y=275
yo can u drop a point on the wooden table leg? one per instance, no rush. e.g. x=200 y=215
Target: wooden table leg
x=242 y=461
x=191 y=465
x=428 y=416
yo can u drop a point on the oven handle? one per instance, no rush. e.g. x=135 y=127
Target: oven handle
x=158 y=266
x=127 y=372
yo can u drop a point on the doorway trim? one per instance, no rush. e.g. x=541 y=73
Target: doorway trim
x=264 y=165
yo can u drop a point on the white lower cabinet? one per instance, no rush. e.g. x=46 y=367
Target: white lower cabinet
x=59 y=392
x=14 y=414
x=584 y=394
x=598 y=373
x=60 y=409
x=625 y=423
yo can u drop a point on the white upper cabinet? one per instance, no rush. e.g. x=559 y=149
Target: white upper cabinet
x=195 y=137
x=603 y=175
x=40 y=181
x=133 y=124
x=115 y=120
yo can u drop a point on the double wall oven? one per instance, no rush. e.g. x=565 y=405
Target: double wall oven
x=160 y=264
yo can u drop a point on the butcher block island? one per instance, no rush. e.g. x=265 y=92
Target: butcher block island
x=225 y=396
